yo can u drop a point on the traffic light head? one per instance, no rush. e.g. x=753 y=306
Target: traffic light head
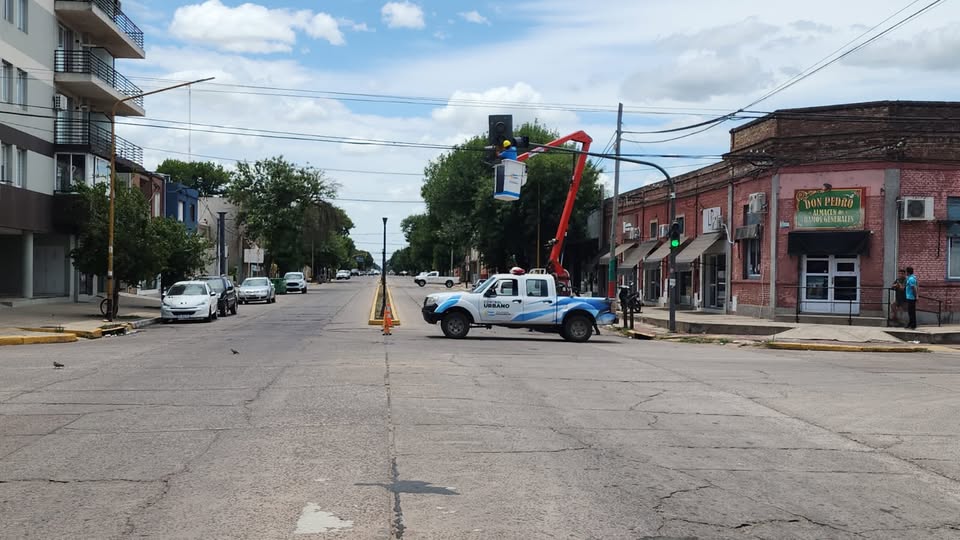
x=674 y=235
x=501 y=128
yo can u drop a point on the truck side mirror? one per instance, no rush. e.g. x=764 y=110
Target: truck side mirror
x=490 y=293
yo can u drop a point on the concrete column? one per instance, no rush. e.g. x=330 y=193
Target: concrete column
x=773 y=207
x=27 y=264
x=728 y=252
x=891 y=224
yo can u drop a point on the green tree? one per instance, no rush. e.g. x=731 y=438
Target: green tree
x=185 y=253
x=136 y=254
x=207 y=177
x=274 y=198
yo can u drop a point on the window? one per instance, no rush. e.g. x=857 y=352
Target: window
x=507 y=287
x=751 y=258
x=71 y=171
x=682 y=223
x=537 y=288
x=8 y=10
x=654 y=229
x=22 y=15
x=21 y=167
x=180 y=208
x=6 y=91
x=953 y=257
x=193 y=212
x=22 y=88
x=6 y=163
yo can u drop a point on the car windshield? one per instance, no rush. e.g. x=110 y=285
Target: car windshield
x=255 y=282
x=187 y=289
x=293 y=275
x=215 y=284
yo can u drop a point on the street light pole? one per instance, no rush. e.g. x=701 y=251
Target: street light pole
x=113 y=182
x=383 y=271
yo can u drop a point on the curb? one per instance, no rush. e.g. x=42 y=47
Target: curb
x=793 y=346
x=86 y=334
x=37 y=340
x=373 y=321
x=142 y=323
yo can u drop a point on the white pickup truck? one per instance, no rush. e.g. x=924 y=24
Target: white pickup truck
x=434 y=278
x=518 y=301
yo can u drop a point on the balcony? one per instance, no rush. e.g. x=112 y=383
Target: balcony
x=85 y=75
x=107 y=26
x=78 y=135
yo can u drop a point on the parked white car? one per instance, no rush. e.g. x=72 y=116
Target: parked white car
x=434 y=278
x=189 y=300
x=257 y=289
x=295 y=282
x=343 y=274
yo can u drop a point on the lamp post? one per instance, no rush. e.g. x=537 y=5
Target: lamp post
x=383 y=271
x=113 y=182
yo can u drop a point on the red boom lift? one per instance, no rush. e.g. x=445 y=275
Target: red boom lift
x=561 y=275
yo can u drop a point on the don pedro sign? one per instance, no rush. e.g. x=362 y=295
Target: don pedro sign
x=834 y=209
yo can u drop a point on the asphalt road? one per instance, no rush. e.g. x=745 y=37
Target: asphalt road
x=322 y=428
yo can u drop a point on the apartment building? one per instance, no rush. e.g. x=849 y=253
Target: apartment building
x=59 y=83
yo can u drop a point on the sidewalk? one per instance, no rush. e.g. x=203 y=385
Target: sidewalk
x=789 y=334
x=66 y=321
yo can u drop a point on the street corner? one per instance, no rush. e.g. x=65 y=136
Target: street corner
x=837 y=347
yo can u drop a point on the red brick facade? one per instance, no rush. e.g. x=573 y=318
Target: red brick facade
x=872 y=148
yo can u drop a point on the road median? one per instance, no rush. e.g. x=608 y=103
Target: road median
x=837 y=347
x=376 y=314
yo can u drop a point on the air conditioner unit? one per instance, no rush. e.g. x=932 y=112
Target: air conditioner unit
x=917 y=209
x=59 y=102
x=633 y=234
x=757 y=203
x=664 y=231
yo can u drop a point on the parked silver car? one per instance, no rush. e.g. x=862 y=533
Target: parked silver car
x=189 y=300
x=257 y=289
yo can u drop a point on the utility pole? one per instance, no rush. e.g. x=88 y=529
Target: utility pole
x=222 y=241
x=383 y=271
x=612 y=272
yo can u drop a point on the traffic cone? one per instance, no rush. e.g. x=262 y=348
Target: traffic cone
x=387 y=321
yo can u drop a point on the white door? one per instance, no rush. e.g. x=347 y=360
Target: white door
x=504 y=302
x=831 y=285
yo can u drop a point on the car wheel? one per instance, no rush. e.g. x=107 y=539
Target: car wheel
x=449 y=283
x=420 y=283
x=165 y=321
x=455 y=325
x=233 y=310
x=577 y=328
x=304 y=290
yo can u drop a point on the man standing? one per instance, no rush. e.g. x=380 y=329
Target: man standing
x=912 y=290
x=900 y=297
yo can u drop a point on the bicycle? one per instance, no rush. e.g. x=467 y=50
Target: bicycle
x=103 y=307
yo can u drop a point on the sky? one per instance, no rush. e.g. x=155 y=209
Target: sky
x=318 y=81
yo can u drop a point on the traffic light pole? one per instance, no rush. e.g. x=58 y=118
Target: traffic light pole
x=672 y=261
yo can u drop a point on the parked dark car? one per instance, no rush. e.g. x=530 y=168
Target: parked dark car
x=227 y=299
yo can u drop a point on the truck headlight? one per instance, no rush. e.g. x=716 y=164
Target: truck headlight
x=429 y=301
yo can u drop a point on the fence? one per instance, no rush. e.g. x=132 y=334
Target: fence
x=851 y=299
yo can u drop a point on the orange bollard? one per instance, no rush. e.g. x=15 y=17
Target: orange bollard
x=387 y=321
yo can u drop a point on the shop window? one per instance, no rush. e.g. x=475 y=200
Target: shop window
x=651 y=284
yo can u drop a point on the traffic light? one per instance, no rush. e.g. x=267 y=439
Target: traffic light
x=522 y=143
x=674 y=235
x=501 y=129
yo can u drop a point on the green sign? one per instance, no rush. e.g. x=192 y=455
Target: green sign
x=833 y=209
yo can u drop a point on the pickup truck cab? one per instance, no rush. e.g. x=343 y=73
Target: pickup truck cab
x=434 y=278
x=517 y=301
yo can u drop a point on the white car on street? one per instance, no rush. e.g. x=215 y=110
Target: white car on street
x=343 y=274
x=295 y=282
x=189 y=301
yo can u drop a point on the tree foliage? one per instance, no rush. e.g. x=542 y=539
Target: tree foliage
x=186 y=253
x=207 y=177
x=462 y=213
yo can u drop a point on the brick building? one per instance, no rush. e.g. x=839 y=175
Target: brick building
x=810 y=214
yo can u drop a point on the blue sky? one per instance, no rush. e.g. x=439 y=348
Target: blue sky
x=564 y=63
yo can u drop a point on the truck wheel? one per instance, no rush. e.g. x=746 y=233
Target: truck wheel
x=449 y=283
x=420 y=283
x=577 y=328
x=455 y=325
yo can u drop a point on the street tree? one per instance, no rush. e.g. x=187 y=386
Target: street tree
x=185 y=252
x=274 y=197
x=206 y=177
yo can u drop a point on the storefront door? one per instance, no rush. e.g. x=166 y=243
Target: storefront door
x=716 y=280
x=830 y=285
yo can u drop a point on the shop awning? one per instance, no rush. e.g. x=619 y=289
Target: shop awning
x=828 y=243
x=697 y=248
x=605 y=259
x=654 y=258
x=747 y=233
x=633 y=257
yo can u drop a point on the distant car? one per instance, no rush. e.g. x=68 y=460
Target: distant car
x=355 y=272
x=189 y=300
x=373 y=273
x=295 y=282
x=343 y=274
x=404 y=273
x=226 y=293
x=257 y=289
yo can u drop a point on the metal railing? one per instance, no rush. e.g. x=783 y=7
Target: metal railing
x=112 y=9
x=84 y=61
x=880 y=297
x=83 y=132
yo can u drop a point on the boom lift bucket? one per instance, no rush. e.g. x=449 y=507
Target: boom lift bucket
x=509 y=177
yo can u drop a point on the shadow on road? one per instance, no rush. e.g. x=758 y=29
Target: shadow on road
x=532 y=338
x=413 y=486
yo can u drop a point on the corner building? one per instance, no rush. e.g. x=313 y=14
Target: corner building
x=809 y=217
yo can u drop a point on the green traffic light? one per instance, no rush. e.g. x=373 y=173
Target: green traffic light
x=674 y=243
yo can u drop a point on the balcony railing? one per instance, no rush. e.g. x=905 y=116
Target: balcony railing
x=96 y=138
x=112 y=9
x=84 y=61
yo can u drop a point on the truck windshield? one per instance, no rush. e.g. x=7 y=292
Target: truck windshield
x=482 y=286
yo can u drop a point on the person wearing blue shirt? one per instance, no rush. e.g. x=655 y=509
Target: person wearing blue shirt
x=912 y=291
x=507 y=151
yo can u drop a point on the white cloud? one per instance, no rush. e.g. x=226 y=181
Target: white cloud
x=474 y=17
x=354 y=26
x=251 y=28
x=698 y=78
x=402 y=15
